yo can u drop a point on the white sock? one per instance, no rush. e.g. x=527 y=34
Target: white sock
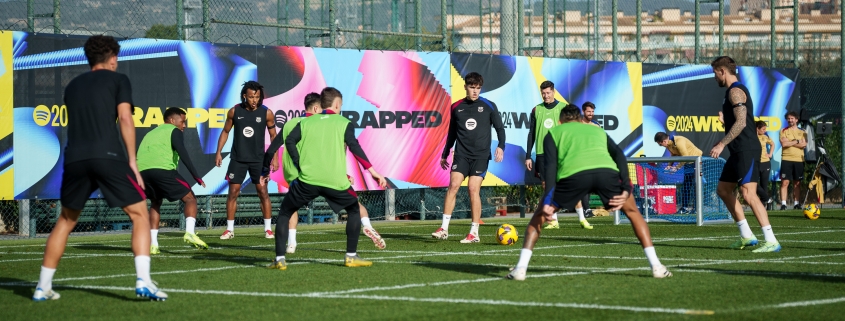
x=365 y=221
x=473 y=228
x=280 y=258
x=770 y=236
x=446 y=219
x=651 y=255
x=142 y=268
x=230 y=225
x=580 y=212
x=267 y=224
x=154 y=237
x=744 y=230
x=292 y=236
x=45 y=281
x=554 y=216
x=782 y=202
x=352 y=254
x=796 y=202
x=190 y=223
x=524 y=257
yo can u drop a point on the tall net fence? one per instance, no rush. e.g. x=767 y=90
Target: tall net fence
x=36 y=218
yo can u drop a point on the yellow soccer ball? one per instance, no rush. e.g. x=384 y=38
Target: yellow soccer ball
x=507 y=234
x=811 y=211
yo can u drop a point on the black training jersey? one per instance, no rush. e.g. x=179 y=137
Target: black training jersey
x=91 y=99
x=747 y=138
x=249 y=127
x=470 y=126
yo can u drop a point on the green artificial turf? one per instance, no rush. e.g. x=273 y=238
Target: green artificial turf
x=575 y=274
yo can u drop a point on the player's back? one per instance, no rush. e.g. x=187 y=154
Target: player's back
x=580 y=147
x=91 y=99
x=322 y=151
x=288 y=168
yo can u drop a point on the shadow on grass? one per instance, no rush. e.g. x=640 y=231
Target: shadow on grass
x=25 y=289
x=472 y=268
x=237 y=259
x=102 y=247
x=802 y=276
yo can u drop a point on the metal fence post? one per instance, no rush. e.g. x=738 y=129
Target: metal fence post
x=721 y=27
x=639 y=35
x=422 y=204
x=208 y=209
x=23 y=217
x=545 y=28
x=306 y=12
x=773 y=37
x=520 y=26
x=418 y=24
x=57 y=17
x=842 y=88
x=443 y=26
x=279 y=21
x=523 y=201
x=332 y=26
x=206 y=25
x=615 y=30
x=795 y=34
x=699 y=197
x=30 y=16
x=180 y=19
x=390 y=204
x=697 y=33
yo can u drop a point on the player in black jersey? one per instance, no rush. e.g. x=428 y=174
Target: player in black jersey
x=249 y=118
x=741 y=166
x=471 y=119
x=94 y=159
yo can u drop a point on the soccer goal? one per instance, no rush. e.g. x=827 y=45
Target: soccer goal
x=677 y=189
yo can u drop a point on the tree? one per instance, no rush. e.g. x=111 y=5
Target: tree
x=159 y=31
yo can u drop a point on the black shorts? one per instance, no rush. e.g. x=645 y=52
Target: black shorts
x=162 y=183
x=569 y=191
x=741 y=168
x=791 y=171
x=300 y=194
x=237 y=172
x=114 y=179
x=540 y=168
x=470 y=166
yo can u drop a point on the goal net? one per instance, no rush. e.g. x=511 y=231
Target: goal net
x=677 y=189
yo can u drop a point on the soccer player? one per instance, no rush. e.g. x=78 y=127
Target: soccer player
x=593 y=164
x=312 y=107
x=681 y=146
x=588 y=110
x=767 y=147
x=94 y=158
x=317 y=148
x=741 y=166
x=543 y=117
x=793 y=140
x=158 y=158
x=249 y=118
x=471 y=119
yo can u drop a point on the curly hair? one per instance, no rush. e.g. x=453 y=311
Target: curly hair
x=254 y=86
x=100 y=48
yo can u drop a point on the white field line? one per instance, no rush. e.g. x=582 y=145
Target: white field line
x=152 y=273
x=399 y=298
x=793 y=304
x=69 y=244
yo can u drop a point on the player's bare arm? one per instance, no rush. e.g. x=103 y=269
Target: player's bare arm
x=271 y=128
x=224 y=136
x=737 y=99
x=127 y=131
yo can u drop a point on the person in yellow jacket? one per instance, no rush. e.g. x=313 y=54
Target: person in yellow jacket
x=681 y=146
x=765 y=168
x=793 y=140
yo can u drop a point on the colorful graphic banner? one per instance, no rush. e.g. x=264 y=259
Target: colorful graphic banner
x=686 y=100
x=399 y=103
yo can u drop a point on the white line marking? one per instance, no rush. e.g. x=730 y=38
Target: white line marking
x=152 y=273
x=398 y=298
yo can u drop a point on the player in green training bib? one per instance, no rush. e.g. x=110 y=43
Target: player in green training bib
x=543 y=117
x=317 y=148
x=581 y=159
x=158 y=158
x=312 y=107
